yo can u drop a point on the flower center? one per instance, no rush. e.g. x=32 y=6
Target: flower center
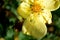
x=36 y=7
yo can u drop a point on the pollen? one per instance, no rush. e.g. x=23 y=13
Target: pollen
x=36 y=7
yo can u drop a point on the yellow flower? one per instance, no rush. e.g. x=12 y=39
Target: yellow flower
x=36 y=13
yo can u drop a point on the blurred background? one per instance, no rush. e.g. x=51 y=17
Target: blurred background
x=10 y=26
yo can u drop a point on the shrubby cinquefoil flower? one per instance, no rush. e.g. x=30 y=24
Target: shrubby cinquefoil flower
x=36 y=13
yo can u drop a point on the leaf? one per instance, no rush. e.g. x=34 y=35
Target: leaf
x=25 y=37
x=10 y=33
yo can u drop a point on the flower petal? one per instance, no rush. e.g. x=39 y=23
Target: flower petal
x=47 y=16
x=50 y=4
x=24 y=10
x=28 y=1
x=34 y=26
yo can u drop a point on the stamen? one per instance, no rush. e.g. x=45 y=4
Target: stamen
x=36 y=7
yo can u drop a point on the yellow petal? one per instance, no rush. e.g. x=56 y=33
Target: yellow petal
x=50 y=4
x=34 y=26
x=28 y=1
x=47 y=16
x=24 y=10
x=2 y=39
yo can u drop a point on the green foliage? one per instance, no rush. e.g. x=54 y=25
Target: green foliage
x=25 y=37
x=56 y=18
x=10 y=34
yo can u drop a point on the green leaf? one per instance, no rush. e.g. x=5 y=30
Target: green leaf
x=25 y=37
x=10 y=34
